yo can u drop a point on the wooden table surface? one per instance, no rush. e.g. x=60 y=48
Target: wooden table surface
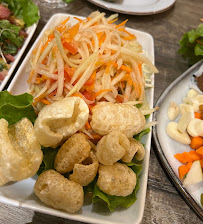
x=163 y=203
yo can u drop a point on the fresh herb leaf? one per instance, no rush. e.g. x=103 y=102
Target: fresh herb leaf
x=139 y=136
x=23 y=9
x=14 y=108
x=191 y=48
x=114 y=201
x=48 y=159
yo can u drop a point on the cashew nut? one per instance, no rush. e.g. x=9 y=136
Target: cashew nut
x=172 y=131
x=195 y=127
x=173 y=111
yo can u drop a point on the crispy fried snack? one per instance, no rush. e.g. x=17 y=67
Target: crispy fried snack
x=73 y=151
x=112 y=147
x=85 y=173
x=20 y=151
x=139 y=155
x=108 y=117
x=130 y=152
x=117 y=179
x=57 y=191
x=61 y=119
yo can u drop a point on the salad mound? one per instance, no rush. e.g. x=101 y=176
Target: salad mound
x=15 y=17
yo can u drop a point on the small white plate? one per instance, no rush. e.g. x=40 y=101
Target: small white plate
x=135 y=7
x=22 y=194
x=166 y=146
x=30 y=31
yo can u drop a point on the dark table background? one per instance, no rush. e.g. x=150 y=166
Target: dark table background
x=163 y=203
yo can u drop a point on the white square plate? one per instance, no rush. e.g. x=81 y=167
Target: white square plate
x=30 y=31
x=22 y=194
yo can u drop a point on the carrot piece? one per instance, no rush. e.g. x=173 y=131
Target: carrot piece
x=184 y=169
x=96 y=137
x=198 y=115
x=139 y=65
x=122 y=24
x=196 y=142
x=87 y=125
x=112 y=21
x=45 y=102
x=186 y=157
x=200 y=150
x=65 y=21
x=80 y=20
x=101 y=91
x=71 y=47
x=126 y=68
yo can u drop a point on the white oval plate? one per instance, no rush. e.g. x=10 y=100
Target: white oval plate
x=167 y=147
x=22 y=194
x=135 y=7
x=30 y=31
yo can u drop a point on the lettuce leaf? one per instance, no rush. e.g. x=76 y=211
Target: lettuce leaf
x=114 y=201
x=139 y=136
x=23 y=9
x=192 y=45
x=14 y=108
x=48 y=159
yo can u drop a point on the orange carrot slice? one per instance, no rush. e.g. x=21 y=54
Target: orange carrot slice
x=184 y=169
x=196 y=142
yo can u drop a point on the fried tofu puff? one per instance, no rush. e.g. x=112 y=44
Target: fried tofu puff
x=85 y=172
x=117 y=179
x=21 y=153
x=108 y=117
x=73 y=151
x=59 y=120
x=112 y=147
x=136 y=150
x=57 y=191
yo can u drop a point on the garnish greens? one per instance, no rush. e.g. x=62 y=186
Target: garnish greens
x=25 y=10
x=192 y=45
x=14 y=108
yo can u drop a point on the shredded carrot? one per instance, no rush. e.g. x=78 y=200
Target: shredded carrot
x=50 y=38
x=65 y=21
x=126 y=68
x=87 y=125
x=112 y=21
x=184 y=169
x=198 y=115
x=201 y=162
x=122 y=24
x=186 y=157
x=200 y=150
x=45 y=102
x=119 y=98
x=77 y=95
x=80 y=20
x=102 y=91
x=196 y=142
x=139 y=65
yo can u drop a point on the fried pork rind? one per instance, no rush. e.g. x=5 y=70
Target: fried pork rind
x=85 y=173
x=140 y=151
x=130 y=152
x=117 y=179
x=112 y=147
x=61 y=119
x=108 y=117
x=73 y=151
x=20 y=152
x=57 y=191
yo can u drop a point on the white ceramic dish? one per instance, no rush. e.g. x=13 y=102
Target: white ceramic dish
x=21 y=193
x=135 y=7
x=30 y=31
x=168 y=147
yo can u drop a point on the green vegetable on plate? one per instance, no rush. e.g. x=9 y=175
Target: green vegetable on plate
x=192 y=45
